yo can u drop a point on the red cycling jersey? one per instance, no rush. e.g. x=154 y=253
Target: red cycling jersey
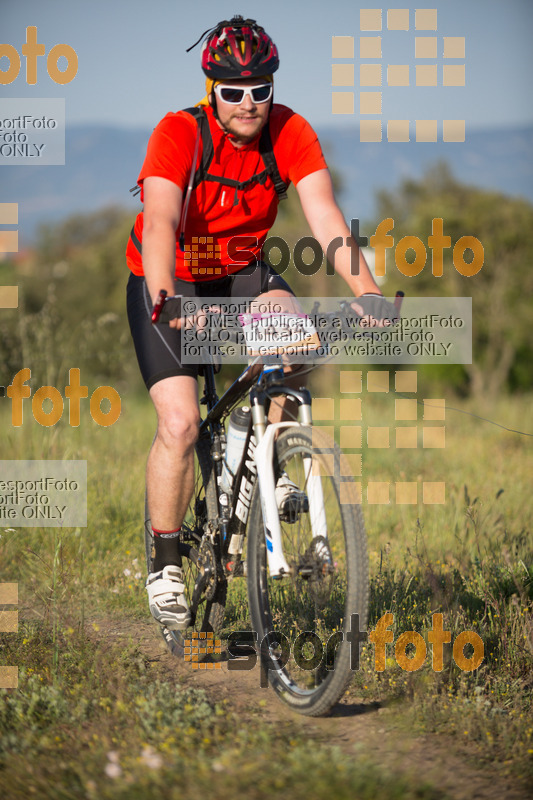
x=218 y=213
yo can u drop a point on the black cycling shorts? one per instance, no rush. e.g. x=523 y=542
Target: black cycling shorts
x=158 y=347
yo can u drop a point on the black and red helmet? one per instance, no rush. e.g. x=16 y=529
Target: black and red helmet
x=238 y=48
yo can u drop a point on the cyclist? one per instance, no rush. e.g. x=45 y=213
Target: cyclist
x=235 y=193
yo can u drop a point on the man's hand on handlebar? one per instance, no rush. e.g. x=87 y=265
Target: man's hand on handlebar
x=375 y=311
x=180 y=312
x=168 y=310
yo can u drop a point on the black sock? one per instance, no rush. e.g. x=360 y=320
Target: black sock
x=166 y=546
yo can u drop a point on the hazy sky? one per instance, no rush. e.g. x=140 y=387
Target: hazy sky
x=133 y=67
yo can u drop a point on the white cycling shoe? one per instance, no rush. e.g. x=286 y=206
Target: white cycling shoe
x=291 y=501
x=166 y=598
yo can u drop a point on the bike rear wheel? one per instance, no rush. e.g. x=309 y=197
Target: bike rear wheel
x=302 y=620
x=205 y=586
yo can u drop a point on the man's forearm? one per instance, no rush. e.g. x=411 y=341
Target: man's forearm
x=159 y=257
x=329 y=228
x=347 y=258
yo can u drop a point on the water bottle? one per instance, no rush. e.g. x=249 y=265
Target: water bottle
x=235 y=441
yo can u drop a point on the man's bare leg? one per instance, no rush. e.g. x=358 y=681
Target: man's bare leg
x=170 y=483
x=170 y=467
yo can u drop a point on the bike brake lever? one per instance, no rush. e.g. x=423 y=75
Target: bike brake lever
x=398 y=300
x=158 y=307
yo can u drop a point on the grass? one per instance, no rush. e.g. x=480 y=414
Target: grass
x=88 y=720
x=107 y=729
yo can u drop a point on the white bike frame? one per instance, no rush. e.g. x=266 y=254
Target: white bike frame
x=264 y=459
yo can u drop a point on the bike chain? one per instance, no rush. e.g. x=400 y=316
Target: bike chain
x=207 y=560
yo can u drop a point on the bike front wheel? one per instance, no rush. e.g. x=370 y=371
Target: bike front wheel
x=302 y=621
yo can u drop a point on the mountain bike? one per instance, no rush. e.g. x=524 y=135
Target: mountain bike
x=305 y=561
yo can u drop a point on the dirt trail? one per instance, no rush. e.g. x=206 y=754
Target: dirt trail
x=356 y=728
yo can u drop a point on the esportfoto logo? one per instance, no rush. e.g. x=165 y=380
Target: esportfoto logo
x=309 y=652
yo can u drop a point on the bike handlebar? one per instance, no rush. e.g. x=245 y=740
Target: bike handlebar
x=345 y=305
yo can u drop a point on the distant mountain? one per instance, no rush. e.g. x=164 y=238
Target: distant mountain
x=500 y=160
x=102 y=163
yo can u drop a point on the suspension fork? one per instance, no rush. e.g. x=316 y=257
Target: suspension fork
x=264 y=458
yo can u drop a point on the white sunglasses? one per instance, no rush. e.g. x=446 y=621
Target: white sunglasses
x=236 y=94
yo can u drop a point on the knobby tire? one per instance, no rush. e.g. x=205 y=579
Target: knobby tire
x=327 y=590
